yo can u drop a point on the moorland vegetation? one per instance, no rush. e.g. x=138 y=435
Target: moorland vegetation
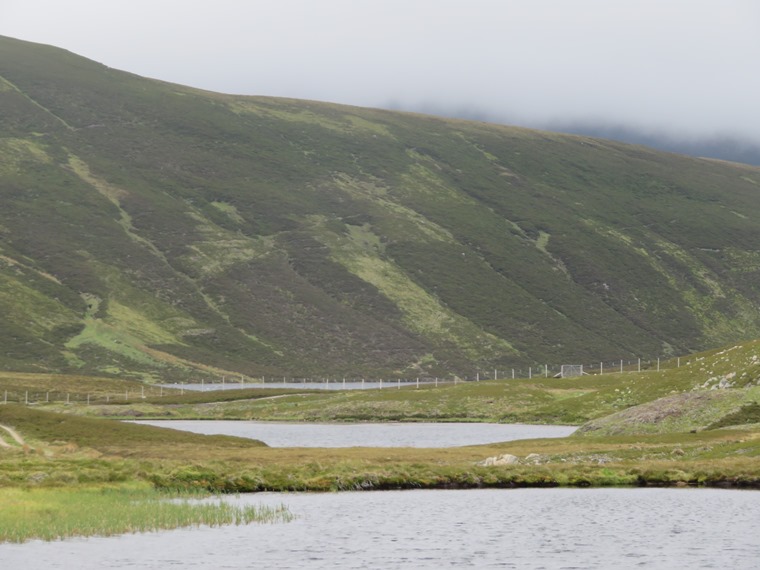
x=158 y=232
x=151 y=232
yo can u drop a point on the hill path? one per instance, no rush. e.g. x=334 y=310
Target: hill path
x=14 y=434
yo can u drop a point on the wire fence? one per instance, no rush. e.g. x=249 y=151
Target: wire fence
x=30 y=397
x=150 y=391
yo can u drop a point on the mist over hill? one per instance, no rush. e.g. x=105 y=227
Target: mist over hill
x=734 y=149
x=722 y=147
x=159 y=231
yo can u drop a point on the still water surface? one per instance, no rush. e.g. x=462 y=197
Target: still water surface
x=367 y=434
x=522 y=529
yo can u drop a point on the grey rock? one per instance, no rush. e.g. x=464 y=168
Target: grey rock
x=499 y=460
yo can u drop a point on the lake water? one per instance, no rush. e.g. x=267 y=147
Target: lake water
x=521 y=529
x=277 y=434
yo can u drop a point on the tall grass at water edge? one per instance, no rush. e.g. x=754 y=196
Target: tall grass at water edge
x=53 y=514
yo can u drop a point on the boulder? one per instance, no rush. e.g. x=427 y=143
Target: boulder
x=499 y=460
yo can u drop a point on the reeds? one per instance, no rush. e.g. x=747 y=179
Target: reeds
x=52 y=514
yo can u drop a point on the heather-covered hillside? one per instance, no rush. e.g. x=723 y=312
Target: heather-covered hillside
x=153 y=230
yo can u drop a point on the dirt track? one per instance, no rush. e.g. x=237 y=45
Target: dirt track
x=14 y=434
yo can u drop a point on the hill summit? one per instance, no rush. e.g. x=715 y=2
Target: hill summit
x=159 y=231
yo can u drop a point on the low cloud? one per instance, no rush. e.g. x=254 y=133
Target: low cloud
x=682 y=69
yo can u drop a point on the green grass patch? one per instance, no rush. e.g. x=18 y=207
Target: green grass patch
x=110 y=436
x=747 y=414
x=53 y=514
x=55 y=387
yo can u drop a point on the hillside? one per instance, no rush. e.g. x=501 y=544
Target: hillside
x=157 y=231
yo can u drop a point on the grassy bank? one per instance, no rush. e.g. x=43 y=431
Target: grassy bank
x=572 y=401
x=704 y=388
x=51 y=514
x=568 y=401
x=75 y=455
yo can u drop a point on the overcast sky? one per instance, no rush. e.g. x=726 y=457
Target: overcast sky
x=687 y=67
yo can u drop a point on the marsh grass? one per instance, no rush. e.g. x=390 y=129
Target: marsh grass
x=52 y=514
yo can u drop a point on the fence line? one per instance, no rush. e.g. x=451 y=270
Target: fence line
x=225 y=383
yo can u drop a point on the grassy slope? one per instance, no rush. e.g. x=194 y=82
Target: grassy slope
x=74 y=456
x=704 y=389
x=162 y=232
